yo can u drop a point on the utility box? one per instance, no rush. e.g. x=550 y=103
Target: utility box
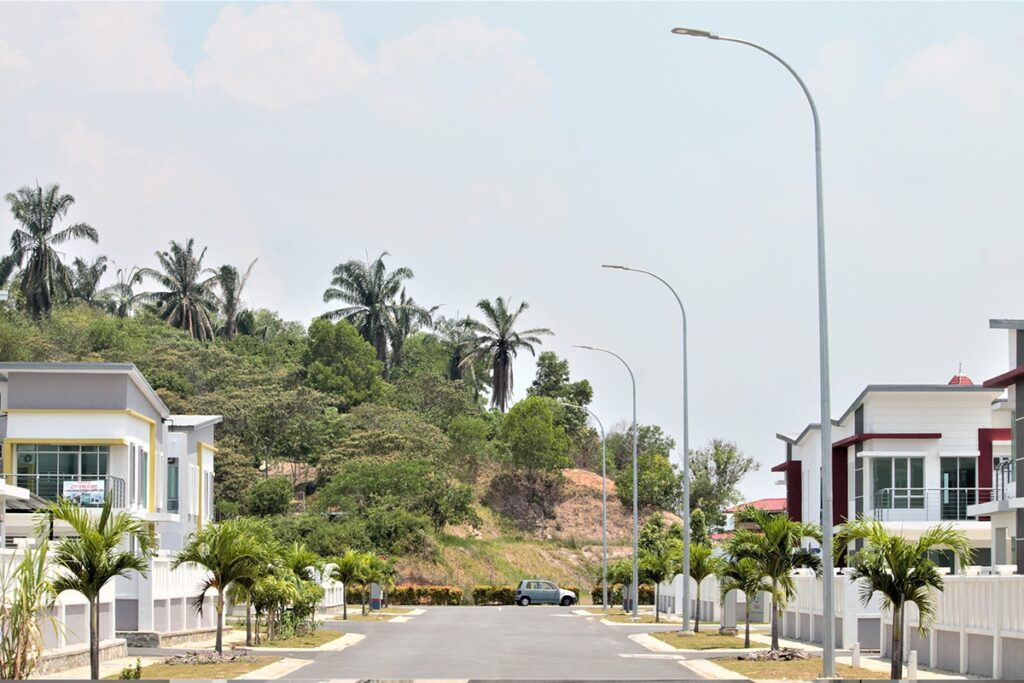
x=376 y=596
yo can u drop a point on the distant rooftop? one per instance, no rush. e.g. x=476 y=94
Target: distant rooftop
x=766 y=504
x=177 y=422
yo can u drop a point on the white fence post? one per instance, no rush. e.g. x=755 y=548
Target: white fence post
x=855 y=655
x=912 y=666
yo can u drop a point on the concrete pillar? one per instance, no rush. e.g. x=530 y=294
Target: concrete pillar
x=728 y=623
x=851 y=610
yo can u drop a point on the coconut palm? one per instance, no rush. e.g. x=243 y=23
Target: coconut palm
x=120 y=298
x=94 y=556
x=773 y=541
x=405 y=318
x=43 y=274
x=369 y=290
x=901 y=571
x=498 y=342
x=189 y=300
x=84 y=284
x=231 y=285
x=230 y=551
x=349 y=569
x=743 y=575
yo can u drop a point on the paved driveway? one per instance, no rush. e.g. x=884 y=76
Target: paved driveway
x=491 y=642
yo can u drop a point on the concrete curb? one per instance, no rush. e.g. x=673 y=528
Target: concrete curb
x=705 y=668
x=278 y=669
x=651 y=643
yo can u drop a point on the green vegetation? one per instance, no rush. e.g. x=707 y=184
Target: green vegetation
x=213 y=670
x=796 y=670
x=742 y=574
x=901 y=571
x=28 y=598
x=303 y=640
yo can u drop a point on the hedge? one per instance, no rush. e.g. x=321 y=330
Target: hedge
x=494 y=595
x=425 y=595
x=615 y=594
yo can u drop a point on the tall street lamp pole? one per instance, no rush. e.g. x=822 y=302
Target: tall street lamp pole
x=828 y=637
x=686 y=449
x=604 y=502
x=636 y=510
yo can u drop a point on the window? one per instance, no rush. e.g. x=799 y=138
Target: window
x=44 y=468
x=959 y=485
x=172 y=484
x=143 y=470
x=898 y=482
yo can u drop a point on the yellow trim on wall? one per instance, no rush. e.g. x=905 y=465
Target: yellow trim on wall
x=199 y=485
x=8 y=457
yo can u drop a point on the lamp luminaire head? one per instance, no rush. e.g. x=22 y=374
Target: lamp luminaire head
x=695 y=33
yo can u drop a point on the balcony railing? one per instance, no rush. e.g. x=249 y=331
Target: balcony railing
x=90 y=490
x=930 y=505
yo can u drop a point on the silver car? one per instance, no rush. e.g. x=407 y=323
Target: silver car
x=538 y=592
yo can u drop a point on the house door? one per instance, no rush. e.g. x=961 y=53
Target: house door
x=959 y=486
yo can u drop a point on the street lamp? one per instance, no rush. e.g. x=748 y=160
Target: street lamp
x=686 y=449
x=828 y=637
x=636 y=512
x=604 y=502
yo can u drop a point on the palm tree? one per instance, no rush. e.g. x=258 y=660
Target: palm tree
x=658 y=564
x=743 y=575
x=28 y=599
x=189 y=301
x=703 y=563
x=404 y=318
x=230 y=551
x=369 y=291
x=772 y=541
x=901 y=571
x=302 y=561
x=348 y=569
x=43 y=274
x=231 y=285
x=90 y=559
x=84 y=282
x=121 y=298
x=499 y=342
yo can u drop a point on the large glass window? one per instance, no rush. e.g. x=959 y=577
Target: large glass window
x=172 y=484
x=43 y=468
x=898 y=482
x=959 y=477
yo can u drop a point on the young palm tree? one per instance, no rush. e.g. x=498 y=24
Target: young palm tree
x=901 y=571
x=84 y=283
x=189 y=300
x=349 y=569
x=231 y=285
x=26 y=599
x=301 y=561
x=120 y=298
x=94 y=556
x=43 y=274
x=772 y=541
x=743 y=575
x=499 y=342
x=703 y=563
x=230 y=551
x=369 y=291
x=404 y=318
x=658 y=564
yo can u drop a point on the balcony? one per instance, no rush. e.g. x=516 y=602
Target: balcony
x=931 y=505
x=89 y=490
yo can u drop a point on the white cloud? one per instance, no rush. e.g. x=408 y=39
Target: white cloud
x=976 y=76
x=15 y=67
x=117 y=47
x=279 y=56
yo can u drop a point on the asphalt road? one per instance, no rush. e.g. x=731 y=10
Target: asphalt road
x=492 y=643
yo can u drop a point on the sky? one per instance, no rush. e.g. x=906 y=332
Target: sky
x=509 y=149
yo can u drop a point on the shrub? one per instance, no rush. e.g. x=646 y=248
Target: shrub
x=494 y=595
x=615 y=594
x=425 y=595
x=132 y=672
x=271 y=496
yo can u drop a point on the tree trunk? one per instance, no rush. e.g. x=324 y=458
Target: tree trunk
x=94 y=637
x=219 y=643
x=248 y=620
x=362 y=605
x=344 y=601
x=746 y=629
x=896 y=671
x=775 y=617
x=657 y=604
x=696 y=621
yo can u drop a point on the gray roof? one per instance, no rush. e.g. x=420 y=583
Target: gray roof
x=1006 y=324
x=127 y=368
x=178 y=423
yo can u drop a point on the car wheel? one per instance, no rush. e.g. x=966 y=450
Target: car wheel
x=524 y=601
x=566 y=601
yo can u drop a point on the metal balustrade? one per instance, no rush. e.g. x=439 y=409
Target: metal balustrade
x=930 y=504
x=90 y=490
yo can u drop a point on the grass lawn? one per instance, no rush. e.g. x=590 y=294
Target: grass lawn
x=800 y=669
x=617 y=615
x=698 y=641
x=380 y=615
x=314 y=639
x=219 y=670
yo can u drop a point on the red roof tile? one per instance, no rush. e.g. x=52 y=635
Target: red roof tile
x=767 y=504
x=961 y=378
